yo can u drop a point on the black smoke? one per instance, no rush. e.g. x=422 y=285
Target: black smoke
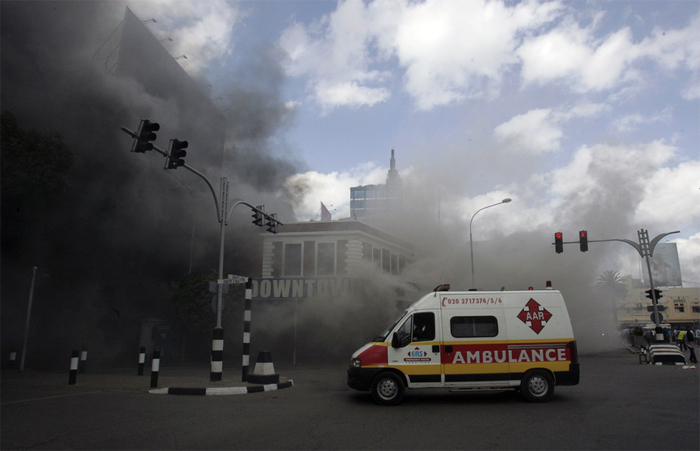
x=110 y=246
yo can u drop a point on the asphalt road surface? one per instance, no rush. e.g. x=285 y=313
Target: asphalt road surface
x=619 y=404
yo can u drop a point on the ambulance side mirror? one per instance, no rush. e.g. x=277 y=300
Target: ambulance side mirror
x=395 y=341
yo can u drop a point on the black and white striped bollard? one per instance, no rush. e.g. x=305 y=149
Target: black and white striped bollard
x=73 y=376
x=155 y=368
x=142 y=360
x=82 y=363
x=217 y=355
x=246 y=328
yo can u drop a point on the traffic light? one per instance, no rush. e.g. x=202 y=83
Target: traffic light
x=272 y=223
x=657 y=293
x=145 y=135
x=558 y=242
x=258 y=216
x=583 y=240
x=176 y=154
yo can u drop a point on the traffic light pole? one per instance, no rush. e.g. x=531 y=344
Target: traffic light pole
x=646 y=251
x=222 y=217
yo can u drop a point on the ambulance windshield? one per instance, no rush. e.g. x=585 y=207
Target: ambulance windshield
x=383 y=336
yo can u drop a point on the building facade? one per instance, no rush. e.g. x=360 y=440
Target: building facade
x=331 y=249
x=681 y=306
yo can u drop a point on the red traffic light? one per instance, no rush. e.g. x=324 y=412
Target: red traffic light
x=583 y=240
x=558 y=242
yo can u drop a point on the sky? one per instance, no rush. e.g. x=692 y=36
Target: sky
x=585 y=113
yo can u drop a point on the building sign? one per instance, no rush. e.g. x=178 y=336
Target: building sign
x=665 y=266
x=302 y=288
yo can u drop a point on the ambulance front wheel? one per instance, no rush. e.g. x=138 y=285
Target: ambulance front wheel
x=387 y=389
x=537 y=386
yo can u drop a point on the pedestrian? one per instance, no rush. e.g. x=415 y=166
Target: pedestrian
x=681 y=340
x=691 y=342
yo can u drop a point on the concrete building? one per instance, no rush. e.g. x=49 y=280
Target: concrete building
x=133 y=51
x=308 y=259
x=681 y=305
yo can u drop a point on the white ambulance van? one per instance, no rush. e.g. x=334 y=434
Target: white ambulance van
x=519 y=340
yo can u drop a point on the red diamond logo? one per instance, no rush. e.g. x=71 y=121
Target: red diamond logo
x=534 y=315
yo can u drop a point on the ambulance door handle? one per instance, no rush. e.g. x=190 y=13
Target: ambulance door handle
x=436 y=348
x=448 y=349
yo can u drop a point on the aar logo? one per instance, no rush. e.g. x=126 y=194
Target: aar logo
x=534 y=315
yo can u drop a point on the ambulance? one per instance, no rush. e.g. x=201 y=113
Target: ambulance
x=520 y=340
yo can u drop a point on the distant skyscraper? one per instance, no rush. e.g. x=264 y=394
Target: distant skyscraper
x=368 y=200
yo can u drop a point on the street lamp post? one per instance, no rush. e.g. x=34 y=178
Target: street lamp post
x=471 y=242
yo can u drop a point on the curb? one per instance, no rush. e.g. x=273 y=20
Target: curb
x=217 y=391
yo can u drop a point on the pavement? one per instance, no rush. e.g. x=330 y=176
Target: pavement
x=179 y=380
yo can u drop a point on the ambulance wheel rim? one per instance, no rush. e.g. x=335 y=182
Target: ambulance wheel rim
x=388 y=389
x=538 y=386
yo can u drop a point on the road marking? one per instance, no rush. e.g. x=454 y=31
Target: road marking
x=49 y=397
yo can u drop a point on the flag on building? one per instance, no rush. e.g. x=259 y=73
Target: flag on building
x=325 y=214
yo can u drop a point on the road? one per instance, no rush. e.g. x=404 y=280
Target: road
x=619 y=404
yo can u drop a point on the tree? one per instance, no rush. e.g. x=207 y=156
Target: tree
x=34 y=164
x=191 y=304
x=34 y=167
x=611 y=286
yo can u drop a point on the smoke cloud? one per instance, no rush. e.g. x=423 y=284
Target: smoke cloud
x=109 y=248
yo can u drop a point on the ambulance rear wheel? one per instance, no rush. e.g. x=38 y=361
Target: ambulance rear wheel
x=537 y=386
x=387 y=389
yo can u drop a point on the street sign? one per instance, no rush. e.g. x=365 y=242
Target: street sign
x=232 y=278
x=659 y=316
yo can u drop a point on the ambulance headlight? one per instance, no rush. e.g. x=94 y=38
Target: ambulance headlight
x=355 y=363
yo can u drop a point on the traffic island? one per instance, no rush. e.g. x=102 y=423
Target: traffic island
x=218 y=391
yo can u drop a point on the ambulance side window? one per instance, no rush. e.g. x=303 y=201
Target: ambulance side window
x=473 y=326
x=404 y=333
x=424 y=326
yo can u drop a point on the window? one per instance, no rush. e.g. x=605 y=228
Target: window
x=696 y=309
x=680 y=308
x=292 y=259
x=473 y=326
x=424 y=326
x=395 y=264
x=325 y=259
x=377 y=257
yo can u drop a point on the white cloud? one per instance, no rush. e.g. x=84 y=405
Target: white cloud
x=624 y=162
x=311 y=188
x=453 y=50
x=540 y=130
x=633 y=121
x=672 y=196
x=532 y=132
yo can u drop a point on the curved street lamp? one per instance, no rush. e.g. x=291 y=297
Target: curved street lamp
x=471 y=245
